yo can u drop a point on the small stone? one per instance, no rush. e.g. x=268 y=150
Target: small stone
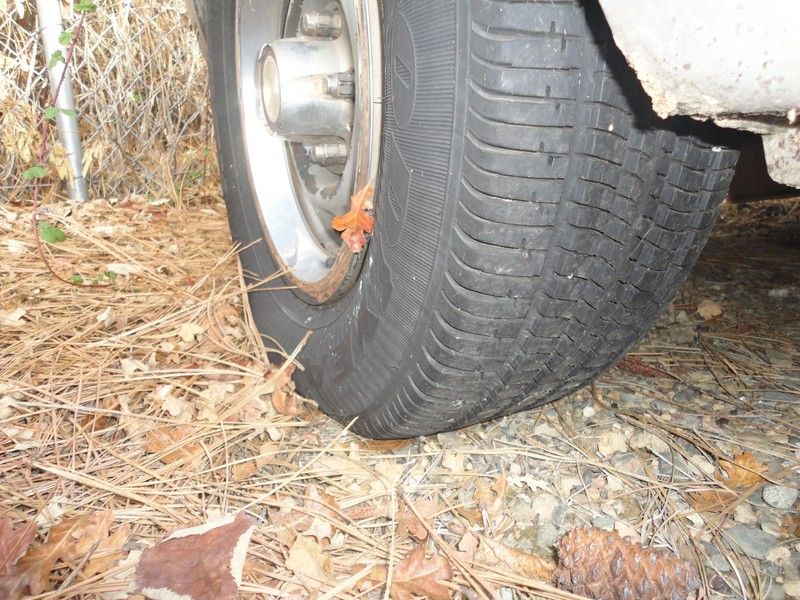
x=603 y=522
x=589 y=411
x=648 y=441
x=778 y=293
x=715 y=558
x=779 y=554
x=611 y=442
x=779 y=496
x=746 y=515
x=774 y=590
x=753 y=542
x=544 y=505
x=548 y=535
x=778 y=358
x=792 y=588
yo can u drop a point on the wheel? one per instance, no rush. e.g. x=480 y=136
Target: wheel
x=532 y=216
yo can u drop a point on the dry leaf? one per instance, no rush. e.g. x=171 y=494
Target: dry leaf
x=490 y=498
x=70 y=540
x=129 y=366
x=384 y=445
x=13 y=544
x=718 y=501
x=245 y=470
x=418 y=575
x=284 y=400
x=108 y=552
x=310 y=564
x=709 y=310
x=123 y=268
x=199 y=563
x=467 y=546
x=160 y=439
x=518 y=562
x=409 y=524
x=745 y=471
x=317 y=522
x=357 y=221
x=189 y=332
x=12 y=317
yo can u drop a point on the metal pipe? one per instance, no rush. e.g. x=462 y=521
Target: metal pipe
x=51 y=26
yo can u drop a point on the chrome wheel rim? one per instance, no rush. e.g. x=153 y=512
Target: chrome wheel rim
x=309 y=75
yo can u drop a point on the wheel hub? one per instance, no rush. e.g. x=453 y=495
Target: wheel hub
x=310 y=80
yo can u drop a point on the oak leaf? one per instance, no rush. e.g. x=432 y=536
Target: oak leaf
x=69 y=540
x=284 y=400
x=418 y=575
x=709 y=310
x=518 y=562
x=409 y=524
x=743 y=472
x=161 y=439
x=13 y=543
x=717 y=501
x=308 y=561
x=198 y=563
x=357 y=221
x=490 y=497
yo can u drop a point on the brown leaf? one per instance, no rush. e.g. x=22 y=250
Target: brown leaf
x=635 y=365
x=316 y=525
x=384 y=445
x=308 y=561
x=199 y=563
x=108 y=553
x=790 y=524
x=744 y=472
x=409 y=524
x=717 y=501
x=67 y=541
x=490 y=498
x=528 y=565
x=418 y=575
x=13 y=544
x=467 y=546
x=160 y=439
x=245 y=470
x=357 y=221
x=284 y=400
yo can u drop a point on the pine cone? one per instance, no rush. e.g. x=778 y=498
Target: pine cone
x=601 y=565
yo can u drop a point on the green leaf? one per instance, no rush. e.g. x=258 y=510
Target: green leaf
x=35 y=172
x=65 y=37
x=50 y=233
x=76 y=279
x=137 y=96
x=85 y=6
x=111 y=276
x=56 y=58
x=51 y=112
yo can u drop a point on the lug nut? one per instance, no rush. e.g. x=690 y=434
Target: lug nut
x=340 y=85
x=319 y=24
x=329 y=154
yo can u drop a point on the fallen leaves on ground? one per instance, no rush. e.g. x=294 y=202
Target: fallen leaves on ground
x=490 y=497
x=416 y=575
x=743 y=472
x=284 y=400
x=408 y=523
x=197 y=563
x=309 y=562
x=357 y=221
x=70 y=540
x=161 y=439
x=528 y=565
x=634 y=364
x=13 y=543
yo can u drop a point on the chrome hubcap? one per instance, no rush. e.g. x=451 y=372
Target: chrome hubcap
x=310 y=101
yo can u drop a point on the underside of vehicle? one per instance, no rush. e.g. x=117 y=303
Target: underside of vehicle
x=523 y=186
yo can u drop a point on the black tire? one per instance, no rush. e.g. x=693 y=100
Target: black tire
x=533 y=218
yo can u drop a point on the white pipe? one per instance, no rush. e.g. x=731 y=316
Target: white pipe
x=51 y=27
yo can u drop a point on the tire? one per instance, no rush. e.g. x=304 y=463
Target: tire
x=533 y=218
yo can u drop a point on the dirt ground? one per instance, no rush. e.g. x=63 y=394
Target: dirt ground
x=143 y=389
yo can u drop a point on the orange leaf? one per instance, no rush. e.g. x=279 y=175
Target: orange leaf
x=409 y=524
x=745 y=471
x=718 y=501
x=417 y=575
x=159 y=440
x=384 y=445
x=515 y=560
x=245 y=470
x=357 y=221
